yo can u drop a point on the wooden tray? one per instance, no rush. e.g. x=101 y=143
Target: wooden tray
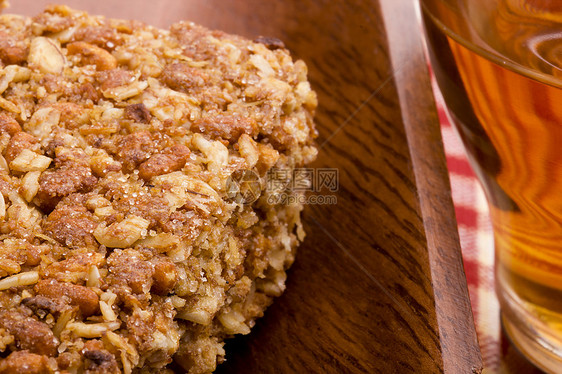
x=378 y=285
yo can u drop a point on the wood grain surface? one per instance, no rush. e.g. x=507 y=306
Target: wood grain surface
x=455 y=329
x=378 y=285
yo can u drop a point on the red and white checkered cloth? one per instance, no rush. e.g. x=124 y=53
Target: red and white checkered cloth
x=476 y=240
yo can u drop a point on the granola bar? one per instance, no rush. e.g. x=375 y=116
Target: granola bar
x=123 y=245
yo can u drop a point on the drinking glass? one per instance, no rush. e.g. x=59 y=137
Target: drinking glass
x=499 y=66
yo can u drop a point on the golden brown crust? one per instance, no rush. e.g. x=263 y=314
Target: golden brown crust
x=82 y=297
x=25 y=362
x=121 y=248
x=29 y=334
x=12 y=49
x=9 y=125
x=18 y=142
x=172 y=159
x=228 y=127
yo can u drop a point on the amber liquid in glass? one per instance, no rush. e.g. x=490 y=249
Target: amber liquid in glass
x=498 y=64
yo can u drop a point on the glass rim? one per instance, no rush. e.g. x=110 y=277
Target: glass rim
x=493 y=57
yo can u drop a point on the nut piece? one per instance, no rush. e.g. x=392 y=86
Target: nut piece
x=28 y=160
x=101 y=163
x=42 y=121
x=106 y=311
x=215 y=151
x=121 y=234
x=234 y=323
x=19 y=141
x=8 y=266
x=93 y=55
x=122 y=93
x=13 y=73
x=163 y=163
x=82 y=297
x=30 y=185
x=45 y=55
x=248 y=149
x=161 y=242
